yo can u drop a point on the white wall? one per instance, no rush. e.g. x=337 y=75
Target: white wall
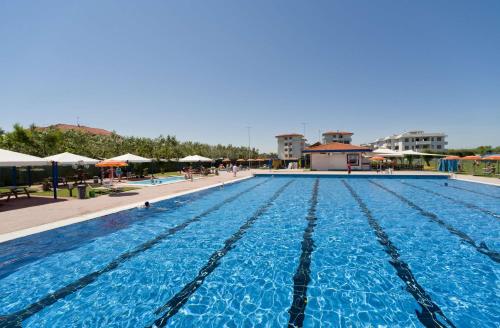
x=333 y=161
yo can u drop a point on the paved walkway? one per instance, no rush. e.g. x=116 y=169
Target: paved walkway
x=44 y=211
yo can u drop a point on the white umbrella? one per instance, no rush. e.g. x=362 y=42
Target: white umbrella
x=12 y=158
x=130 y=158
x=416 y=153
x=70 y=159
x=195 y=158
x=387 y=152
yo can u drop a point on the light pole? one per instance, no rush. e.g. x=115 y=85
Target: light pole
x=304 y=129
x=248 y=128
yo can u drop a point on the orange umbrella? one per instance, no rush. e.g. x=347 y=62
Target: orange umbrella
x=472 y=158
x=226 y=160
x=493 y=158
x=241 y=160
x=111 y=164
x=452 y=157
x=377 y=158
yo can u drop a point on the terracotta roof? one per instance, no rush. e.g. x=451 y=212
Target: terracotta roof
x=339 y=132
x=81 y=128
x=290 y=135
x=336 y=147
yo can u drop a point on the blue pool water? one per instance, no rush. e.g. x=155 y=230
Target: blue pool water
x=269 y=252
x=157 y=181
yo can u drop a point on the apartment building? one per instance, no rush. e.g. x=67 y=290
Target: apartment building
x=290 y=146
x=412 y=140
x=337 y=136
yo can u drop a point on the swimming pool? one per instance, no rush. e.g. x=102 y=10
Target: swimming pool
x=158 y=181
x=298 y=251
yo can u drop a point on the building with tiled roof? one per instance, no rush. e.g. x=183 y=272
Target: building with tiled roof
x=81 y=128
x=337 y=156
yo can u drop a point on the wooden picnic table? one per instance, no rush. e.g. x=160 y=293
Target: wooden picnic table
x=15 y=191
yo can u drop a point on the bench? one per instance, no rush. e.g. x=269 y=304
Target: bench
x=15 y=191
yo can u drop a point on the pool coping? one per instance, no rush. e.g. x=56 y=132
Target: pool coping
x=62 y=223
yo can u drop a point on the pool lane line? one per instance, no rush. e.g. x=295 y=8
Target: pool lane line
x=430 y=312
x=302 y=276
x=174 y=304
x=15 y=319
x=482 y=248
x=468 y=190
x=469 y=205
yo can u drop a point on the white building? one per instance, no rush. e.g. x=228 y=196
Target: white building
x=337 y=156
x=290 y=146
x=337 y=136
x=412 y=140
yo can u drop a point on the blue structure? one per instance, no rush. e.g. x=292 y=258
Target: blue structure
x=448 y=165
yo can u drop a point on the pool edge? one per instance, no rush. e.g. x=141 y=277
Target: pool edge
x=66 y=222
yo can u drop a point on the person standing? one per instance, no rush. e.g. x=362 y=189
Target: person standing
x=235 y=170
x=119 y=174
x=349 y=168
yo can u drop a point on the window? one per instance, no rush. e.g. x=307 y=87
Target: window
x=417 y=139
x=407 y=147
x=407 y=140
x=353 y=159
x=438 y=138
x=340 y=136
x=438 y=146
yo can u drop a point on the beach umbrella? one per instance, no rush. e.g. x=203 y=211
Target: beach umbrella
x=241 y=160
x=14 y=159
x=472 y=158
x=111 y=164
x=226 y=160
x=130 y=158
x=452 y=157
x=71 y=159
x=493 y=158
x=378 y=159
x=195 y=159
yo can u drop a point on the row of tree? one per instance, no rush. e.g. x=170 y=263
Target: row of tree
x=50 y=141
x=481 y=150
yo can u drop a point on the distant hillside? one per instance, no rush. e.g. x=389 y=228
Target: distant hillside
x=80 y=128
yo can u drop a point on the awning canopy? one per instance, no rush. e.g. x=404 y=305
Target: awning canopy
x=70 y=159
x=195 y=159
x=12 y=158
x=130 y=158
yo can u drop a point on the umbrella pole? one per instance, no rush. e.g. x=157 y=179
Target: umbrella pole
x=14 y=176
x=55 y=178
x=30 y=180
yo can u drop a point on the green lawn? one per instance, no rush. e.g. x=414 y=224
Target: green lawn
x=63 y=192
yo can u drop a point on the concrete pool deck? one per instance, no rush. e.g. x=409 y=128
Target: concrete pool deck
x=42 y=213
x=37 y=214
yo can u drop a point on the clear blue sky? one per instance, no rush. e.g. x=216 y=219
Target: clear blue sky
x=204 y=70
